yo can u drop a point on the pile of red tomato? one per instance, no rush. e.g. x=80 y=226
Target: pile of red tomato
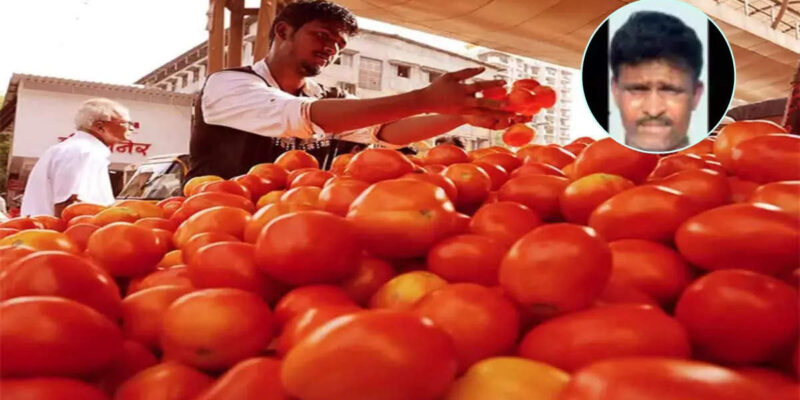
x=581 y=272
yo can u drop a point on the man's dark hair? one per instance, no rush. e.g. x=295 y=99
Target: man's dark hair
x=301 y=12
x=454 y=140
x=649 y=36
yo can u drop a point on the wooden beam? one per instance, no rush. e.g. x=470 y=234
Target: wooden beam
x=235 y=35
x=777 y=20
x=234 y=5
x=266 y=15
x=216 y=36
x=251 y=11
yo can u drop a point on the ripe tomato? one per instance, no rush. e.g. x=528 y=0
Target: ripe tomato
x=569 y=171
x=256 y=185
x=75 y=209
x=659 y=378
x=740 y=317
x=7 y=232
x=438 y=180
x=618 y=293
x=771 y=380
x=266 y=214
x=582 y=196
x=505 y=221
x=540 y=193
x=733 y=134
x=705 y=187
x=115 y=214
x=80 y=233
x=256 y=378
x=52 y=223
x=81 y=219
x=308 y=195
x=467 y=258
x=507 y=161
x=537 y=168
x=644 y=212
x=307 y=297
x=157 y=223
x=202 y=201
x=45 y=335
x=198 y=241
x=404 y=291
x=125 y=249
x=545 y=96
x=653 y=268
x=11 y=253
x=402 y=218
x=143 y=311
x=576 y=148
x=308 y=247
x=675 y=163
x=374 y=165
x=40 y=240
x=480 y=321
x=135 y=357
x=66 y=275
x=337 y=197
x=784 y=195
x=230 y=220
x=171 y=259
x=372 y=274
x=272 y=172
x=216 y=328
x=143 y=208
x=305 y=323
x=340 y=163
x=518 y=135
x=509 y=378
x=296 y=159
x=232 y=265
x=767 y=158
x=495 y=93
x=741 y=190
x=497 y=173
x=472 y=182
x=576 y=340
x=193 y=185
x=446 y=154
x=168 y=380
x=520 y=99
x=315 y=178
x=421 y=365
x=554 y=156
x=226 y=187
x=177 y=275
x=755 y=237
x=22 y=223
x=556 y=268
x=608 y=156
x=702 y=147
x=171 y=208
x=47 y=389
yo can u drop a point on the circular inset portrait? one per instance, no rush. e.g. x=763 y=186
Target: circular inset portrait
x=658 y=75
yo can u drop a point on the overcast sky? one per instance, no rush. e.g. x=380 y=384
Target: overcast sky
x=120 y=41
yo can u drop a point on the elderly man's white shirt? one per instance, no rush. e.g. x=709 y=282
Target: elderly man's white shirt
x=76 y=166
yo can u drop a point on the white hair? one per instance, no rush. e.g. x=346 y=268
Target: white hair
x=99 y=109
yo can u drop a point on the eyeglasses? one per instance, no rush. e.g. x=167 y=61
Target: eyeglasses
x=129 y=125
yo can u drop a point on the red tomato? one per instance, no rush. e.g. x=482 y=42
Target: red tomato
x=540 y=193
x=467 y=258
x=755 y=237
x=192 y=186
x=48 y=389
x=438 y=180
x=115 y=214
x=446 y=154
x=481 y=322
x=374 y=165
x=45 y=335
x=252 y=379
x=216 y=328
x=257 y=185
x=771 y=381
x=472 y=182
x=554 y=156
x=644 y=212
x=576 y=148
x=659 y=378
x=545 y=96
x=9 y=254
x=143 y=208
x=135 y=357
x=308 y=195
x=556 y=268
x=784 y=195
x=202 y=201
x=733 y=134
x=576 y=340
x=608 y=156
x=51 y=222
x=272 y=172
x=55 y=273
x=740 y=317
x=80 y=234
x=505 y=221
x=495 y=93
x=296 y=159
x=404 y=291
x=231 y=187
x=315 y=178
x=582 y=196
x=125 y=249
x=8 y=232
x=518 y=135
x=232 y=265
x=198 y=241
x=143 y=311
x=76 y=209
x=537 y=168
x=157 y=223
x=340 y=163
x=435 y=168
x=307 y=297
x=767 y=158
x=337 y=197
x=508 y=162
x=168 y=380
x=741 y=190
x=653 y=268
x=617 y=293
x=705 y=187
x=497 y=174
x=40 y=240
x=308 y=247
x=372 y=274
x=230 y=220
x=177 y=275
x=421 y=365
x=402 y=218
x=675 y=163
x=702 y=147
x=305 y=323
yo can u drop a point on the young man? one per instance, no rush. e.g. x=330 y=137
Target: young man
x=656 y=62
x=252 y=115
x=77 y=168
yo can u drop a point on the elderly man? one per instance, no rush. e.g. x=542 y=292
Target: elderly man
x=76 y=170
x=656 y=61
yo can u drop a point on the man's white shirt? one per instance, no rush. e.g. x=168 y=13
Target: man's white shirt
x=76 y=166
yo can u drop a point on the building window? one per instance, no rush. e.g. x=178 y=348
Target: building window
x=347 y=87
x=344 y=60
x=433 y=75
x=369 y=73
x=404 y=71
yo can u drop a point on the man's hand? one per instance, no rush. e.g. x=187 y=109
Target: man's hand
x=495 y=121
x=450 y=95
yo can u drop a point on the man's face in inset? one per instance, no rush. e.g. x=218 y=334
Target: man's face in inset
x=656 y=99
